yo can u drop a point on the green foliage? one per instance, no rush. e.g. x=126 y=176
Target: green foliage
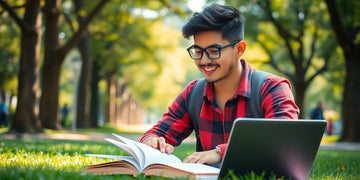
x=299 y=41
x=65 y=159
x=350 y=13
x=9 y=54
x=141 y=50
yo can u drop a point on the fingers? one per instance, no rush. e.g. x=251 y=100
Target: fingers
x=205 y=157
x=169 y=148
x=190 y=159
x=151 y=141
x=159 y=143
x=193 y=158
x=163 y=146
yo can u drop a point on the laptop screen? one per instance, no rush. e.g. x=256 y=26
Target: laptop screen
x=281 y=147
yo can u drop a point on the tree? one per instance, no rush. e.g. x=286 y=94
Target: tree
x=84 y=93
x=345 y=21
x=25 y=119
x=54 y=56
x=295 y=49
x=94 y=101
x=112 y=40
x=122 y=43
x=122 y=36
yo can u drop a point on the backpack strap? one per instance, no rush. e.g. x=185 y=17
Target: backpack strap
x=257 y=80
x=194 y=107
x=195 y=100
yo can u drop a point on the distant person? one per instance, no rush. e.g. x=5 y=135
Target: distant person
x=330 y=127
x=64 y=114
x=3 y=114
x=317 y=112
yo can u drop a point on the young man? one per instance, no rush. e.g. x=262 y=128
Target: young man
x=218 y=34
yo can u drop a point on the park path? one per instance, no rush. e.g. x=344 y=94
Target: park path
x=133 y=132
x=71 y=135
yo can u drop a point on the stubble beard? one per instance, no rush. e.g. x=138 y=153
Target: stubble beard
x=230 y=69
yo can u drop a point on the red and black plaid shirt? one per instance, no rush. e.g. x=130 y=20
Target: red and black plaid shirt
x=214 y=124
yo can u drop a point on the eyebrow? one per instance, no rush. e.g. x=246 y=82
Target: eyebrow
x=212 y=45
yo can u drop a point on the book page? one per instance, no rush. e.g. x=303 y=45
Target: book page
x=113 y=167
x=123 y=146
x=182 y=170
x=134 y=151
x=150 y=154
x=190 y=167
x=138 y=153
x=128 y=159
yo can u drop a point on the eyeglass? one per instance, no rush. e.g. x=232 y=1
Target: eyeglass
x=212 y=52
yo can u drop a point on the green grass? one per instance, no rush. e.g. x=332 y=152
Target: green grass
x=52 y=159
x=106 y=128
x=64 y=159
x=336 y=165
x=332 y=138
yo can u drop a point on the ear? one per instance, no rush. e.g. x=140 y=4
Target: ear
x=240 y=47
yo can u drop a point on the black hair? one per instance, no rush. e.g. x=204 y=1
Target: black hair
x=224 y=19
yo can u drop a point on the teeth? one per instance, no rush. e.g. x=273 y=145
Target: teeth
x=209 y=69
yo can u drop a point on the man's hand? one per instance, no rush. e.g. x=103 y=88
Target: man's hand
x=158 y=143
x=204 y=157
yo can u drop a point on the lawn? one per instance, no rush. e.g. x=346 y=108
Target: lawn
x=64 y=159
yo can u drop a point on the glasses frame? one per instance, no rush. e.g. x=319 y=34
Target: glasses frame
x=207 y=53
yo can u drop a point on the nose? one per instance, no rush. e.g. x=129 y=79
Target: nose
x=205 y=58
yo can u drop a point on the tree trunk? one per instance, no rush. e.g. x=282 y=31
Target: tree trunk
x=49 y=102
x=111 y=102
x=346 y=34
x=94 y=107
x=53 y=58
x=25 y=119
x=83 y=102
x=300 y=91
x=351 y=98
x=122 y=107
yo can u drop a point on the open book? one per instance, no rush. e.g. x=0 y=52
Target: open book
x=150 y=162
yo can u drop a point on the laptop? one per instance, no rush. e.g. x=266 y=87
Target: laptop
x=281 y=147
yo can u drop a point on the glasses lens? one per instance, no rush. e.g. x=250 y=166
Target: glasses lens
x=195 y=52
x=213 y=52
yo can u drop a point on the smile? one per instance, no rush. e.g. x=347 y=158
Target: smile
x=209 y=68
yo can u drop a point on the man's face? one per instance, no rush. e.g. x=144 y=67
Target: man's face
x=215 y=70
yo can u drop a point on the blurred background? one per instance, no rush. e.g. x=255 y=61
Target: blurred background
x=86 y=64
